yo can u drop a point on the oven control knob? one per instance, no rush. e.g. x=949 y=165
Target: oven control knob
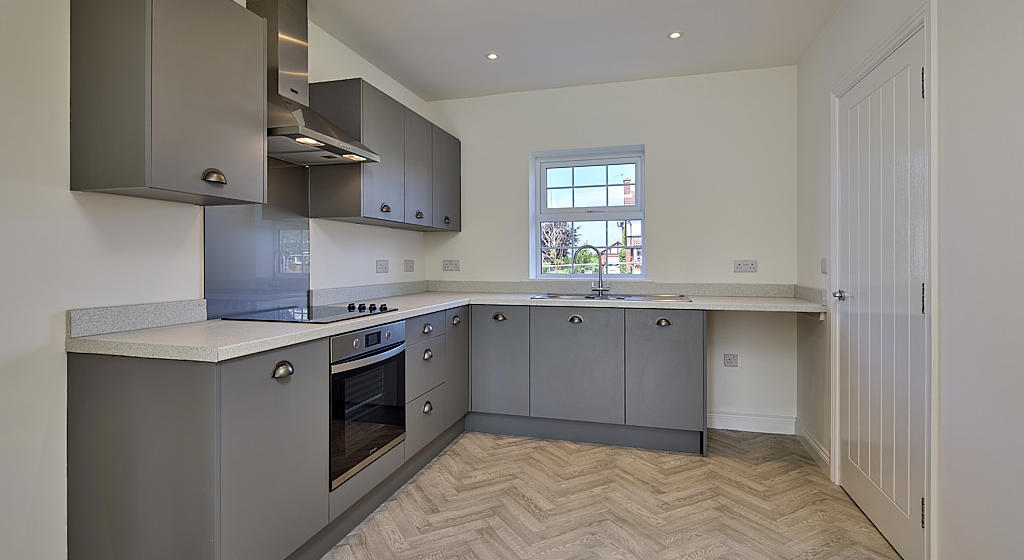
x=356 y=343
x=362 y=307
x=383 y=307
x=373 y=307
x=351 y=307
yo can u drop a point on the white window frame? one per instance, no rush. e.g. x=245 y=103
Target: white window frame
x=540 y=212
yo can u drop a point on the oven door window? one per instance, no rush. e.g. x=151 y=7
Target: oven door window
x=367 y=413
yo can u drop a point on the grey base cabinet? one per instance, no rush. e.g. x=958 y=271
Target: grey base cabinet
x=500 y=378
x=457 y=347
x=665 y=368
x=169 y=100
x=274 y=456
x=170 y=460
x=576 y=364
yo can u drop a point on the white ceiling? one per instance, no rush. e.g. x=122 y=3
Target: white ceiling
x=437 y=48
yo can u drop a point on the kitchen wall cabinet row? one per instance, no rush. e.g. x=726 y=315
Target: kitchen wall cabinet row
x=169 y=100
x=170 y=460
x=637 y=367
x=418 y=182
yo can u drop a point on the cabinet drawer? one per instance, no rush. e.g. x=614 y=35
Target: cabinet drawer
x=425 y=419
x=424 y=367
x=424 y=327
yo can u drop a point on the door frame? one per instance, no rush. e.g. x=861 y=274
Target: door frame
x=919 y=21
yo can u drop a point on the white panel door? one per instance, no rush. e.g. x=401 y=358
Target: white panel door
x=883 y=269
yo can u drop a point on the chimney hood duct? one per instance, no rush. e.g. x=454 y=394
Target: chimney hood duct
x=297 y=134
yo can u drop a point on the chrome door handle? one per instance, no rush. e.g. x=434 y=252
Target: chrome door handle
x=663 y=322
x=456 y=320
x=498 y=317
x=427 y=328
x=385 y=207
x=419 y=214
x=282 y=370
x=575 y=319
x=839 y=295
x=427 y=407
x=447 y=219
x=427 y=354
x=213 y=175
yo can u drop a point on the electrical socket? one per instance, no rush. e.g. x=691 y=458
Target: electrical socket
x=744 y=265
x=410 y=265
x=382 y=266
x=731 y=360
x=452 y=265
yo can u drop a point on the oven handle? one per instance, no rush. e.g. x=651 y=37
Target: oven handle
x=368 y=360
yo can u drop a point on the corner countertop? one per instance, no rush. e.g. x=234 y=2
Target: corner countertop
x=219 y=340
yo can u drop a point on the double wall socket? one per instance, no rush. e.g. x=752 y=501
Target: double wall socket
x=731 y=360
x=410 y=265
x=450 y=265
x=744 y=265
x=382 y=266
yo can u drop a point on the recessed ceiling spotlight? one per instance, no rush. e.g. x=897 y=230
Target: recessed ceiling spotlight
x=492 y=56
x=675 y=35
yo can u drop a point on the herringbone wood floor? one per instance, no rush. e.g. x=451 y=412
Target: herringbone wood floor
x=496 y=497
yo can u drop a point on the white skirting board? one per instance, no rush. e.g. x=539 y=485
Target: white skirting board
x=818 y=452
x=747 y=422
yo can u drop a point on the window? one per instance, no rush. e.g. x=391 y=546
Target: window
x=589 y=197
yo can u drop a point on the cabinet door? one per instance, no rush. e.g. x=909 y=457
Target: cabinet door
x=419 y=165
x=384 y=133
x=576 y=364
x=209 y=99
x=274 y=436
x=447 y=181
x=501 y=359
x=457 y=325
x=665 y=368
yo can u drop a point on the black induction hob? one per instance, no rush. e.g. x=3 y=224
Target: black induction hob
x=317 y=314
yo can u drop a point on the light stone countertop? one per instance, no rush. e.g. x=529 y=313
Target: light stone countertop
x=219 y=340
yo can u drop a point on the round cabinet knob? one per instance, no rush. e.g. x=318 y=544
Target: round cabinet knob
x=447 y=219
x=385 y=207
x=419 y=214
x=427 y=407
x=456 y=320
x=427 y=354
x=663 y=322
x=216 y=176
x=575 y=319
x=498 y=317
x=427 y=328
x=283 y=370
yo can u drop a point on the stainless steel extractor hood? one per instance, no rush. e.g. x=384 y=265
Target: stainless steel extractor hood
x=295 y=133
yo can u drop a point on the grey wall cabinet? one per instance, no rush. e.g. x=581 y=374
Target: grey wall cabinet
x=369 y=192
x=457 y=327
x=274 y=453
x=447 y=180
x=501 y=359
x=168 y=100
x=665 y=368
x=576 y=364
x=419 y=166
x=417 y=183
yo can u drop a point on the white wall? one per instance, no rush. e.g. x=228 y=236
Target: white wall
x=849 y=37
x=63 y=250
x=345 y=254
x=721 y=184
x=981 y=193
x=720 y=168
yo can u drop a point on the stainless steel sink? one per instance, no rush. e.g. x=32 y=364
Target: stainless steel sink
x=615 y=297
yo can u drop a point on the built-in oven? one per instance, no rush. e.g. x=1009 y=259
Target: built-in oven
x=367 y=397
